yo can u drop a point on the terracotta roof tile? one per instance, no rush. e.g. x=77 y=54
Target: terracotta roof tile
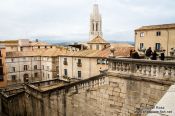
x=97 y=39
x=41 y=52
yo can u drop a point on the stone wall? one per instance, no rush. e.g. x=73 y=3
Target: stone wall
x=112 y=95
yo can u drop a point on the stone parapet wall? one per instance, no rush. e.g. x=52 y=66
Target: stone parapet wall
x=158 y=70
x=102 y=95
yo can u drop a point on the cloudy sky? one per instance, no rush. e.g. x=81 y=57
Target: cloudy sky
x=69 y=19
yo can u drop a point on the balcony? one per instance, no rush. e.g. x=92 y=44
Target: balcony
x=143 y=69
x=79 y=64
x=65 y=63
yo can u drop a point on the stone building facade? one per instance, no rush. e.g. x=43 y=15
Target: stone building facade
x=158 y=37
x=24 y=45
x=3 y=74
x=82 y=64
x=32 y=66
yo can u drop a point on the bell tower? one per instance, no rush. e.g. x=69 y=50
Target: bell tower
x=95 y=23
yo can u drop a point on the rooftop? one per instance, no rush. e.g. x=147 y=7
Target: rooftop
x=40 y=52
x=153 y=27
x=119 y=52
x=98 y=40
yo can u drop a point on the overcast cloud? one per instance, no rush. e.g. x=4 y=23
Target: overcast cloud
x=69 y=19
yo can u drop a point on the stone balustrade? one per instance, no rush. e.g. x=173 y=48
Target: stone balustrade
x=74 y=87
x=47 y=82
x=159 y=70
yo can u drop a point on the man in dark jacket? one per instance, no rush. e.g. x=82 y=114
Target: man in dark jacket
x=148 y=52
x=154 y=55
x=162 y=55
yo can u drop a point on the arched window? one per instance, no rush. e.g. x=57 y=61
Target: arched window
x=96 y=26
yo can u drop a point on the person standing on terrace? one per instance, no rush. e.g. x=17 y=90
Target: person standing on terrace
x=148 y=53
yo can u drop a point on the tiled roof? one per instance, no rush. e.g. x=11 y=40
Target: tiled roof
x=41 y=52
x=153 y=27
x=123 y=51
x=54 y=52
x=119 y=52
x=89 y=53
x=9 y=41
x=38 y=44
x=116 y=45
x=97 y=40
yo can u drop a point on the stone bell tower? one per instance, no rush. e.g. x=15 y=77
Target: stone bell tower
x=95 y=23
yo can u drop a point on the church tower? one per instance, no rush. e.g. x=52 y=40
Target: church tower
x=95 y=23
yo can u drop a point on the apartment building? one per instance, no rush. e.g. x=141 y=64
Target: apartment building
x=24 y=45
x=31 y=66
x=3 y=76
x=158 y=37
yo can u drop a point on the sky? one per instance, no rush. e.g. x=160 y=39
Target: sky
x=68 y=20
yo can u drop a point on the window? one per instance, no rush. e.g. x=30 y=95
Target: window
x=157 y=46
x=158 y=33
x=35 y=67
x=141 y=46
x=103 y=61
x=79 y=64
x=79 y=74
x=35 y=58
x=1 y=70
x=96 y=26
x=13 y=69
x=50 y=46
x=43 y=67
x=48 y=76
x=38 y=47
x=1 y=78
x=93 y=27
x=98 y=61
x=65 y=61
x=47 y=67
x=79 y=61
x=91 y=47
x=0 y=53
x=12 y=60
x=0 y=62
x=45 y=46
x=24 y=58
x=21 y=48
x=57 y=68
x=97 y=47
x=35 y=74
x=43 y=74
x=25 y=67
x=13 y=77
x=65 y=72
x=142 y=34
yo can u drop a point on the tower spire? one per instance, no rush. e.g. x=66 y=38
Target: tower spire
x=95 y=22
